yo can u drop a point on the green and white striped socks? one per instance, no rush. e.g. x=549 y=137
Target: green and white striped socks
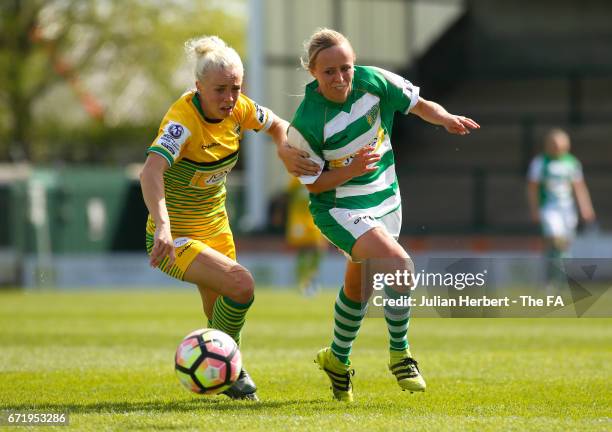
x=398 y=319
x=229 y=316
x=348 y=315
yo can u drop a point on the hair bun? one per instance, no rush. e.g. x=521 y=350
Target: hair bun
x=211 y=52
x=198 y=47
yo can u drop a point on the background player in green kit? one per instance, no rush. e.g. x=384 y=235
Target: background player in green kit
x=344 y=123
x=553 y=178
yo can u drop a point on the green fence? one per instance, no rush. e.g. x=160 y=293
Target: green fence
x=76 y=210
x=79 y=210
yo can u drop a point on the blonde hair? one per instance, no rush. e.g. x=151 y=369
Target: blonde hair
x=211 y=52
x=321 y=39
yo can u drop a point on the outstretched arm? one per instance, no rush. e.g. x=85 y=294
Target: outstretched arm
x=436 y=114
x=296 y=161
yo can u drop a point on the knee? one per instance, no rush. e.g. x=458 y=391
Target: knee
x=242 y=284
x=391 y=249
x=561 y=243
x=377 y=243
x=398 y=252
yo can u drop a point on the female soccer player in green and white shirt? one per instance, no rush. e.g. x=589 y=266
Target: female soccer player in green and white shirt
x=554 y=178
x=344 y=124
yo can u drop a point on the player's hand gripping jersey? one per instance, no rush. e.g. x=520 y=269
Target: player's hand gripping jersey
x=201 y=153
x=332 y=133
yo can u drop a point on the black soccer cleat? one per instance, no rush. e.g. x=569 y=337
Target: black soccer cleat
x=243 y=389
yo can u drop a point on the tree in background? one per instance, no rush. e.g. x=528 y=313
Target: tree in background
x=76 y=74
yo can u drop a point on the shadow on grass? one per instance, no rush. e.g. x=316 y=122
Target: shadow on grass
x=213 y=403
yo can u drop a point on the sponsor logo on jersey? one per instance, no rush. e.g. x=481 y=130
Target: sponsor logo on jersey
x=339 y=163
x=167 y=142
x=209 y=146
x=217 y=177
x=175 y=129
x=172 y=138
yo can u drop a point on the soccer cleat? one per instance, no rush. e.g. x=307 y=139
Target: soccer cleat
x=243 y=389
x=339 y=374
x=407 y=373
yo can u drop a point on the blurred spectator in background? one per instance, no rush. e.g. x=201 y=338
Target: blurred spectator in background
x=305 y=237
x=554 y=177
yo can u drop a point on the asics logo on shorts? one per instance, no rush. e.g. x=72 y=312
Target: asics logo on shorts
x=364 y=218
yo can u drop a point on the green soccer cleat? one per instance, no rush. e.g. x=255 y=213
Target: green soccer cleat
x=407 y=373
x=339 y=374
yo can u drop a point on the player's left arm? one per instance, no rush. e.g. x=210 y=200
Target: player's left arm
x=296 y=161
x=585 y=205
x=435 y=113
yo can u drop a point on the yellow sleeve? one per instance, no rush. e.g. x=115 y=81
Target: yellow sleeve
x=254 y=116
x=172 y=138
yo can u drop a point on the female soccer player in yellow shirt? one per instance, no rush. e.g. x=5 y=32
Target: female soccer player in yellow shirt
x=183 y=183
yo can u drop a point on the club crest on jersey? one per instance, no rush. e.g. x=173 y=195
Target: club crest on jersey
x=176 y=130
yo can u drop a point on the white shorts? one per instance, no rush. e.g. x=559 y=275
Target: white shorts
x=559 y=222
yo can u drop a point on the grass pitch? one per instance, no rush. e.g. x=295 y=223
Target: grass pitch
x=106 y=358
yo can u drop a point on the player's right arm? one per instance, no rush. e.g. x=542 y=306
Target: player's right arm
x=363 y=162
x=533 y=200
x=404 y=97
x=534 y=177
x=152 y=185
x=435 y=113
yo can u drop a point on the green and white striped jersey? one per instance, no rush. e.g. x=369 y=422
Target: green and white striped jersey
x=555 y=176
x=332 y=133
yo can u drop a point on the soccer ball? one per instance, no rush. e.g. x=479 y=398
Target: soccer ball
x=207 y=361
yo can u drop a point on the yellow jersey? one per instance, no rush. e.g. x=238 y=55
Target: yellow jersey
x=200 y=153
x=301 y=229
